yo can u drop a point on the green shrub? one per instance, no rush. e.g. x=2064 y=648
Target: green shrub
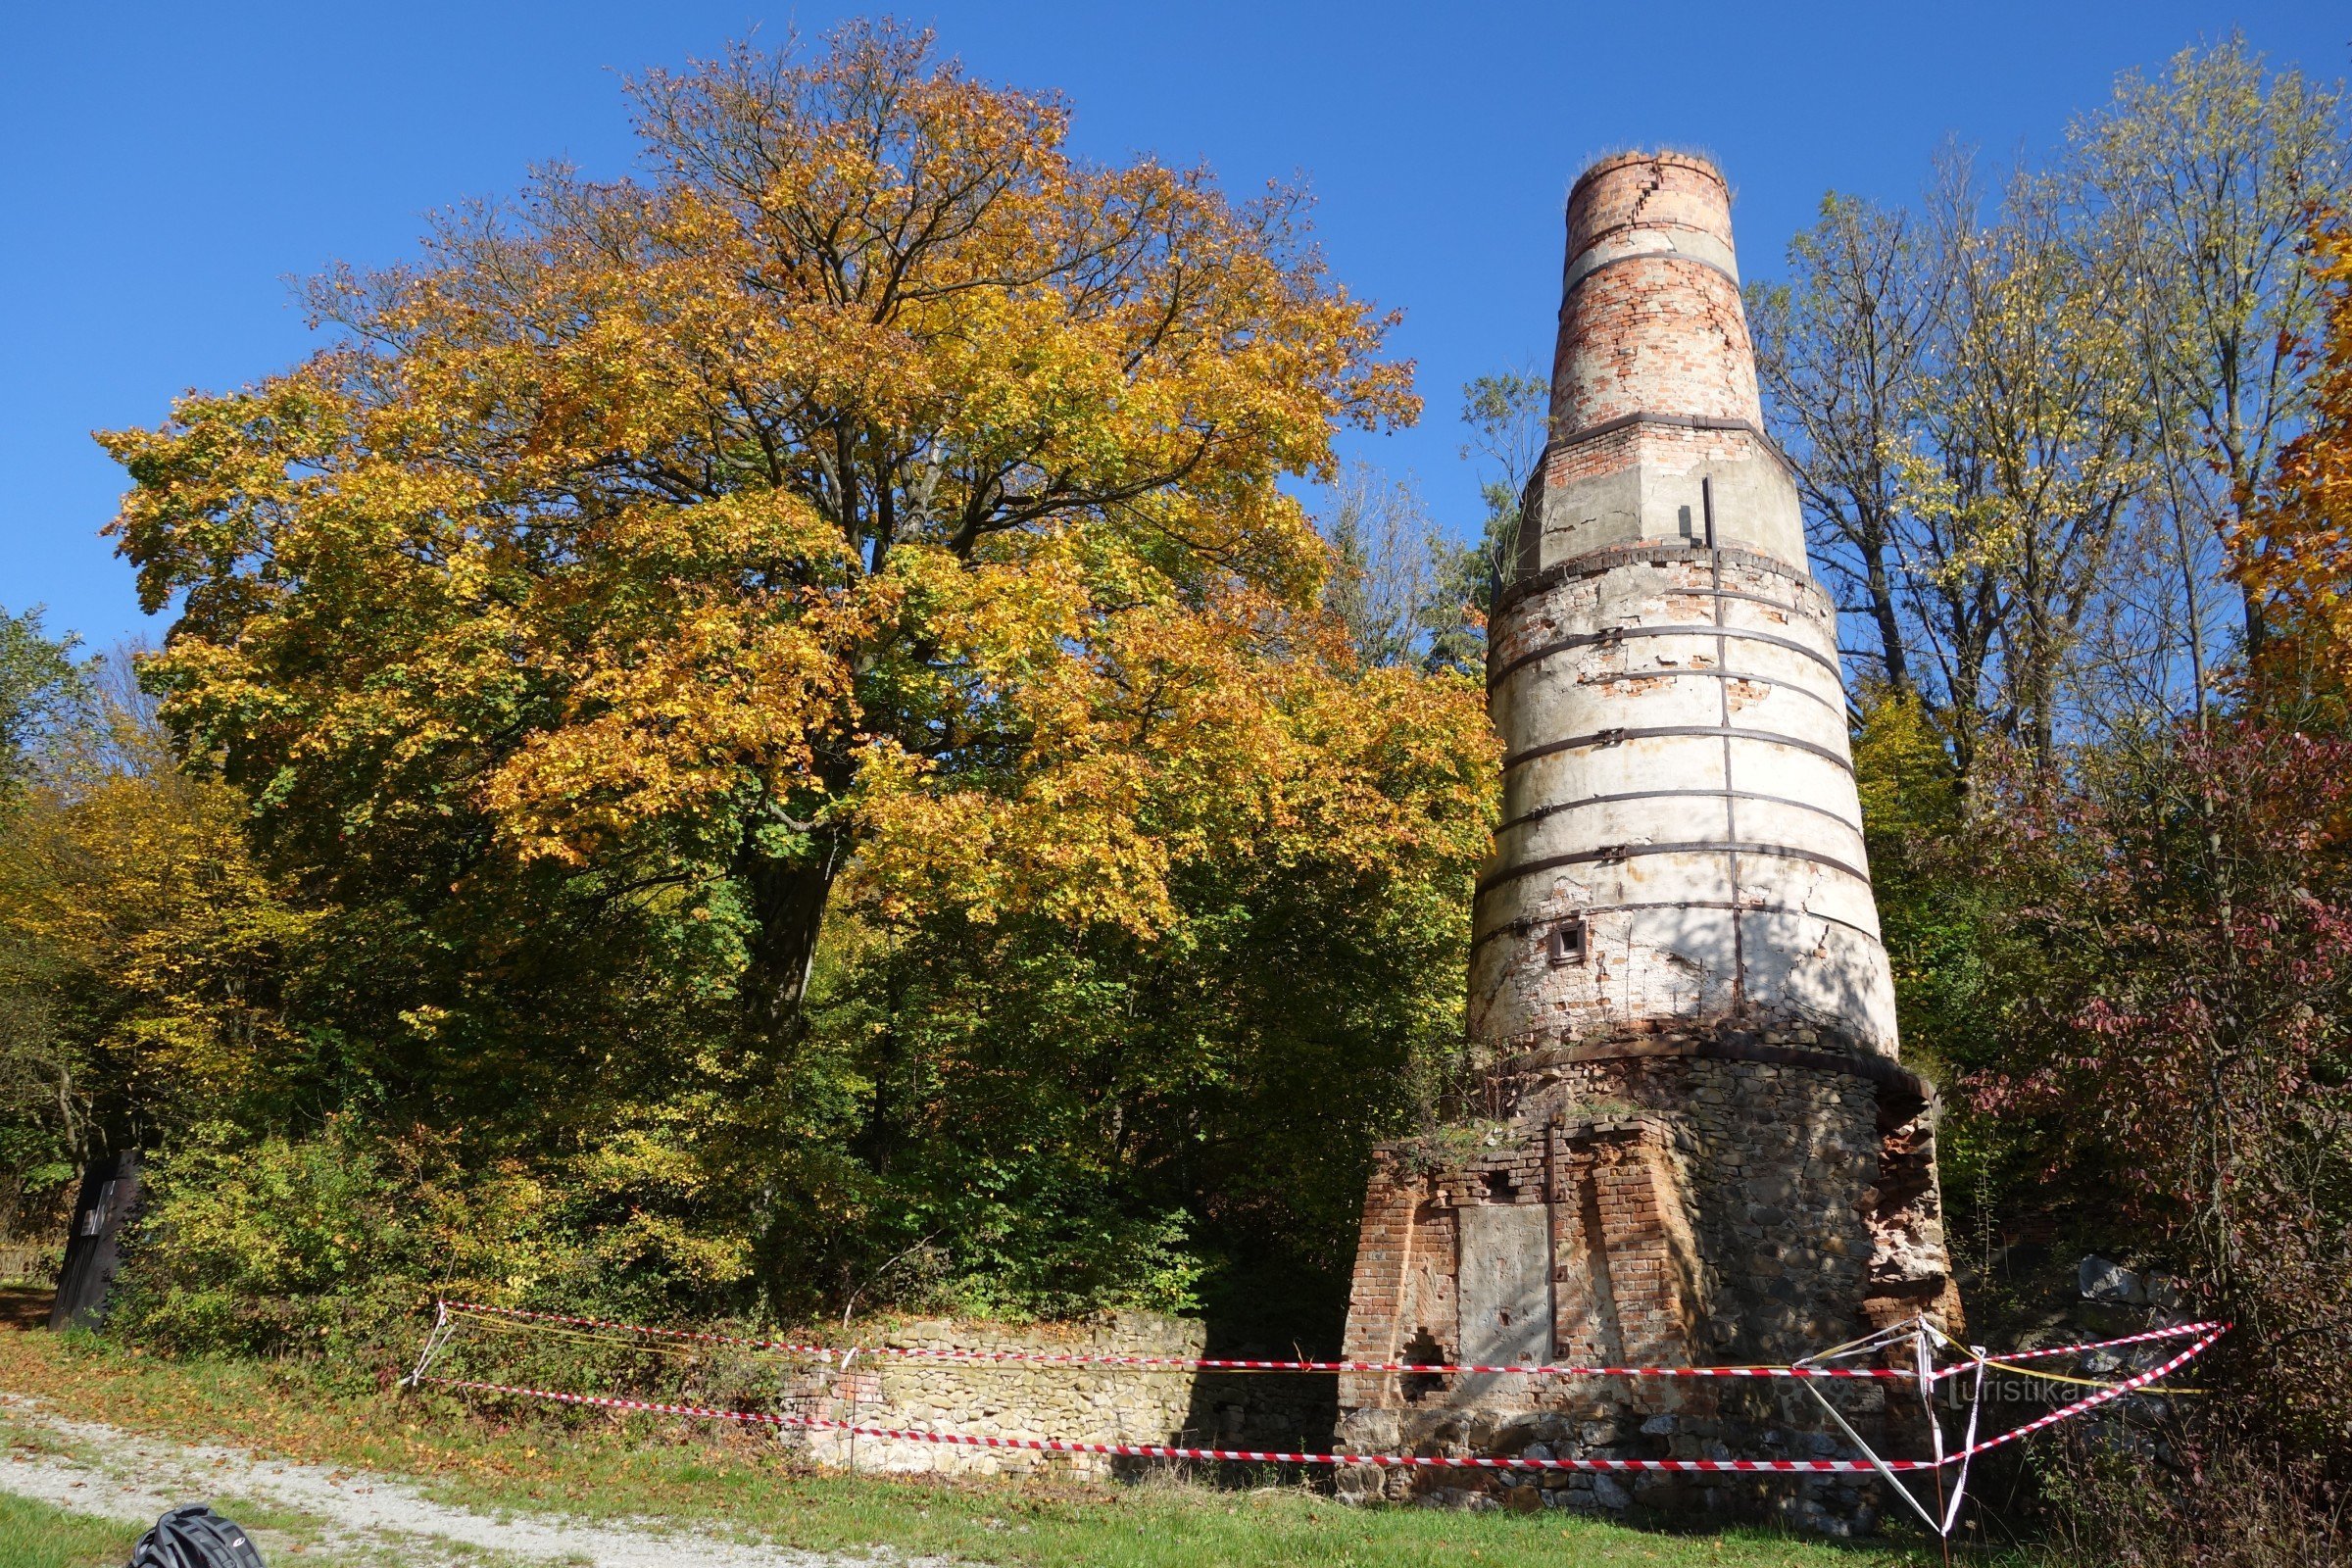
x=331 y=1244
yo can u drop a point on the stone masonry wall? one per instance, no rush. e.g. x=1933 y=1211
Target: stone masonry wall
x=1028 y=1401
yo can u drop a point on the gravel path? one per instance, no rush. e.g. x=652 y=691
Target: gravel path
x=345 y=1516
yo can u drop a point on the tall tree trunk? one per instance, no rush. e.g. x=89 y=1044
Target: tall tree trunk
x=1882 y=610
x=788 y=907
x=2257 y=631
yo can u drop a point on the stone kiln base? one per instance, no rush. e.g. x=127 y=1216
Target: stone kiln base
x=1716 y=1196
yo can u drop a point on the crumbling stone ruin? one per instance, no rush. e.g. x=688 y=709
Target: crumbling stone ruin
x=1695 y=1142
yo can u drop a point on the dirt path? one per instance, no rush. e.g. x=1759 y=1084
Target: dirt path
x=340 y=1516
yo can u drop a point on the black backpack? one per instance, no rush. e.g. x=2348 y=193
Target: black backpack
x=194 y=1536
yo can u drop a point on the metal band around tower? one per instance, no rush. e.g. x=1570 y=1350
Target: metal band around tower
x=1612 y=854
x=1618 y=737
x=1618 y=634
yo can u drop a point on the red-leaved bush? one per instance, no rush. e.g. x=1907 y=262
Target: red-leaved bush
x=2187 y=1054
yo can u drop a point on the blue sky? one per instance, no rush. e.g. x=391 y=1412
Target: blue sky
x=167 y=166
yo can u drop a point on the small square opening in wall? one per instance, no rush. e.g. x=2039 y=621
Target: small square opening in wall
x=1566 y=942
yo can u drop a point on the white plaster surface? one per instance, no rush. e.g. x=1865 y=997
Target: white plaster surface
x=1506 y=1311
x=1720 y=869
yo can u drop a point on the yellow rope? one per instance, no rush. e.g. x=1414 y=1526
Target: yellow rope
x=2080 y=1383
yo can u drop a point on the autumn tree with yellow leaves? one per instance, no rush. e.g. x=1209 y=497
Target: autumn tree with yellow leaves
x=872 y=479
x=869 y=519
x=142 y=950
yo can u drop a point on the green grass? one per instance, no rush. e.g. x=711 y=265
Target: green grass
x=34 y=1535
x=494 y=1458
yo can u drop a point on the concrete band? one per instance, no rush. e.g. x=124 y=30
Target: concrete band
x=1873 y=1069
x=1618 y=737
x=1766 y=600
x=1627 y=851
x=1655 y=553
x=1586 y=264
x=1618 y=634
x=1657 y=225
x=1557 y=807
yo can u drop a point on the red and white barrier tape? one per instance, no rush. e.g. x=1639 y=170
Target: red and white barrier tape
x=1171 y=1363
x=1890 y=1469
x=2007 y=1361
x=1154 y=1450
x=2177 y=1330
x=2131 y=1385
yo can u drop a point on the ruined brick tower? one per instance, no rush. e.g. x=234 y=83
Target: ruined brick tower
x=1694 y=1143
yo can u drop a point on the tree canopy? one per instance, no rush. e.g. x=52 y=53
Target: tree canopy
x=869 y=477
x=785 y=704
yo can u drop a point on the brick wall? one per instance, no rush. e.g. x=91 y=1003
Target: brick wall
x=1651 y=321
x=1708 y=1211
x=1654 y=333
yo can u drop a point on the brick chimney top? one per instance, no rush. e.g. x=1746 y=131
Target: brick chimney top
x=1665 y=193
x=1662 y=333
